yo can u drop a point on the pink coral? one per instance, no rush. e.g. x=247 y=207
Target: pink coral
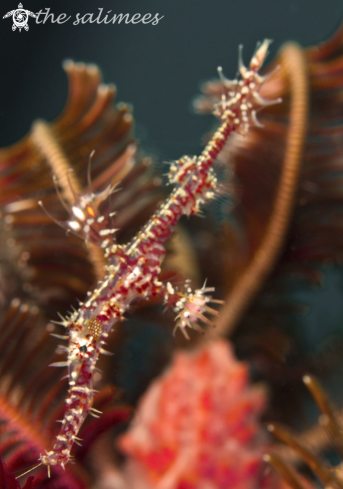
x=198 y=426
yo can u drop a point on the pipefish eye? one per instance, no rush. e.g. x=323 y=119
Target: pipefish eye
x=83 y=348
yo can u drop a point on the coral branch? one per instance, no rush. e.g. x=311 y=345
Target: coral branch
x=198 y=426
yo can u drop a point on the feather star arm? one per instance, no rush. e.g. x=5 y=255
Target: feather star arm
x=132 y=270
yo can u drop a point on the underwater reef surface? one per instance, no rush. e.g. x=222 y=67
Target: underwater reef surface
x=198 y=424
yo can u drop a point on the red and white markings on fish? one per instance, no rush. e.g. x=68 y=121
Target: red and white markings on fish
x=132 y=270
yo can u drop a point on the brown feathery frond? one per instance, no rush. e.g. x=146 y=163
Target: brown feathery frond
x=266 y=162
x=287 y=473
x=41 y=263
x=38 y=262
x=289 y=218
x=32 y=398
x=298 y=446
x=22 y=439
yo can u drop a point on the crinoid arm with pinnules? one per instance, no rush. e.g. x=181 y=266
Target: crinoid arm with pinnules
x=132 y=270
